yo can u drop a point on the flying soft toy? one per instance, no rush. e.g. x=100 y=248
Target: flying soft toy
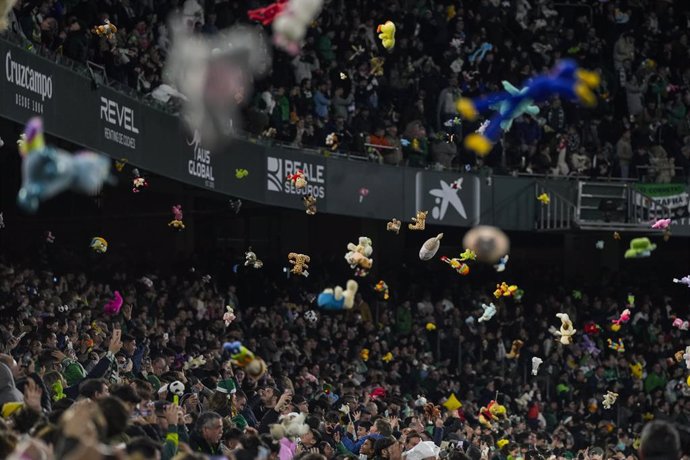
x=686 y=357
x=616 y=346
x=639 y=247
x=50 y=238
x=177 y=223
x=544 y=198
x=680 y=324
x=684 y=280
x=493 y=412
x=567 y=331
x=489 y=312
x=616 y=236
x=536 y=362
x=386 y=33
x=566 y=80
x=358 y=256
x=194 y=362
x=457 y=265
x=311 y=316
x=241 y=356
x=298 y=179
x=515 y=347
x=592 y=328
x=250 y=259
x=430 y=247
x=120 y=164
x=98 y=244
x=387 y=358
x=229 y=315
x=138 y=182
x=290 y=26
x=468 y=254
x=503 y=290
x=661 y=224
x=267 y=14
x=107 y=30
x=624 y=318
x=364 y=354
x=338 y=299
x=393 y=226
x=113 y=307
x=609 y=399
x=487 y=242
x=430 y=327
x=589 y=347
x=47 y=171
x=300 y=263
x=241 y=173
x=501 y=265
x=382 y=288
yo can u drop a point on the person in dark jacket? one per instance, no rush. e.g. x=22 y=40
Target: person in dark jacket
x=207 y=434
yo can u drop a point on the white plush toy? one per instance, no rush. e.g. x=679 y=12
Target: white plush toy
x=358 y=256
x=609 y=399
x=536 y=362
x=489 y=312
x=291 y=426
x=567 y=331
x=290 y=27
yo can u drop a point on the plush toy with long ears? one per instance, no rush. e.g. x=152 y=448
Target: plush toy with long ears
x=566 y=331
x=113 y=306
x=48 y=171
x=177 y=223
x=566 y=80
x=536 y=362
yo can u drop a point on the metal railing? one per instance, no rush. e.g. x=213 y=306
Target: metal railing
x=642 y=209
x=558 y=214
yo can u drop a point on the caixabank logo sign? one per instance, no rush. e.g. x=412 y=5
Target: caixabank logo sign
x=32 y=88
x=278 y=169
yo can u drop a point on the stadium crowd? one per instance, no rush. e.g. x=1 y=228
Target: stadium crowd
x=398 y=107
x=76 y=383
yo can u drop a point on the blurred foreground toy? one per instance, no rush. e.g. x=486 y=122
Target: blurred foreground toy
x=290 y=26
x=113 y=306
x=609 y=399
x=457 y=265
x=503 y=290
x=489 y=312
x=47 y=171
x=393 y=226
x=177 y=223
x=566 y=80
x=536 y=362
x=107 y=29
x=337 y=298
x=661 y=224
x=487 y=242
x=430 y=247
x=241 y=356
x=566 y=331
x=267 y=14
x=250 y=259
x=419 y=221
x=386 y=33
x=98 y=244
x=300 y=263
x=640 y=247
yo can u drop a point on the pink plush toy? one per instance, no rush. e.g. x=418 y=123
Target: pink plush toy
x=661 y=224
x=680 y=324
x=625 y=317
x=113 y=307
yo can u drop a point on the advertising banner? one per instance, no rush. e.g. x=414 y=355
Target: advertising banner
x=449 y=199
x=279 y=191
x=672 y=196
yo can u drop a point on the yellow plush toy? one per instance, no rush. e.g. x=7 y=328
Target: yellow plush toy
x=387 y=34
x=493 y=412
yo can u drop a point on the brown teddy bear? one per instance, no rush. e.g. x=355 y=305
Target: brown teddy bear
x=310 y=204
x=300 y=262
x=419 y=221
x=515 y=349
x=393 y=226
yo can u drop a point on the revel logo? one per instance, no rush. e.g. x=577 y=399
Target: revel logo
x=122 y=117
x=279 y=168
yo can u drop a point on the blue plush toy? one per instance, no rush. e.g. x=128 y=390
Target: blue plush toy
x=337 y=299
x=47 y=171
x=566 y=80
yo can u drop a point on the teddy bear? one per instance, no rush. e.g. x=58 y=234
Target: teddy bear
x=298 y=179
x=338 y=299
x=491 y=413
x=515 y=349
x=609 y=399
x=358 y=256
x=106 y=29
x=291 y=426
x=393 y=226
x=419 y=221
x=567 y=331
x=250 y=259
x=310 y=203
x=300 y=262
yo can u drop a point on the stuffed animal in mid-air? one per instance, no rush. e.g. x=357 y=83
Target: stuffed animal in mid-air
x=298 y=179
x=419 y=221
x=250 y=259
x=567 y=331
x=107 y=29
x=338 y=299
x=300 y=263
x=393 y=226
x=290 y=426
x=430 y=247
x=609 y=399
x=493 y=412
x=310 y=204
x=639 y=248
x=48 y=171
x=358 y=256
x=489 y=312
x=241 y=356
x=515 y=349
x=113 y=307
x=99 y=245
x=386 y=33
x=177 y=223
